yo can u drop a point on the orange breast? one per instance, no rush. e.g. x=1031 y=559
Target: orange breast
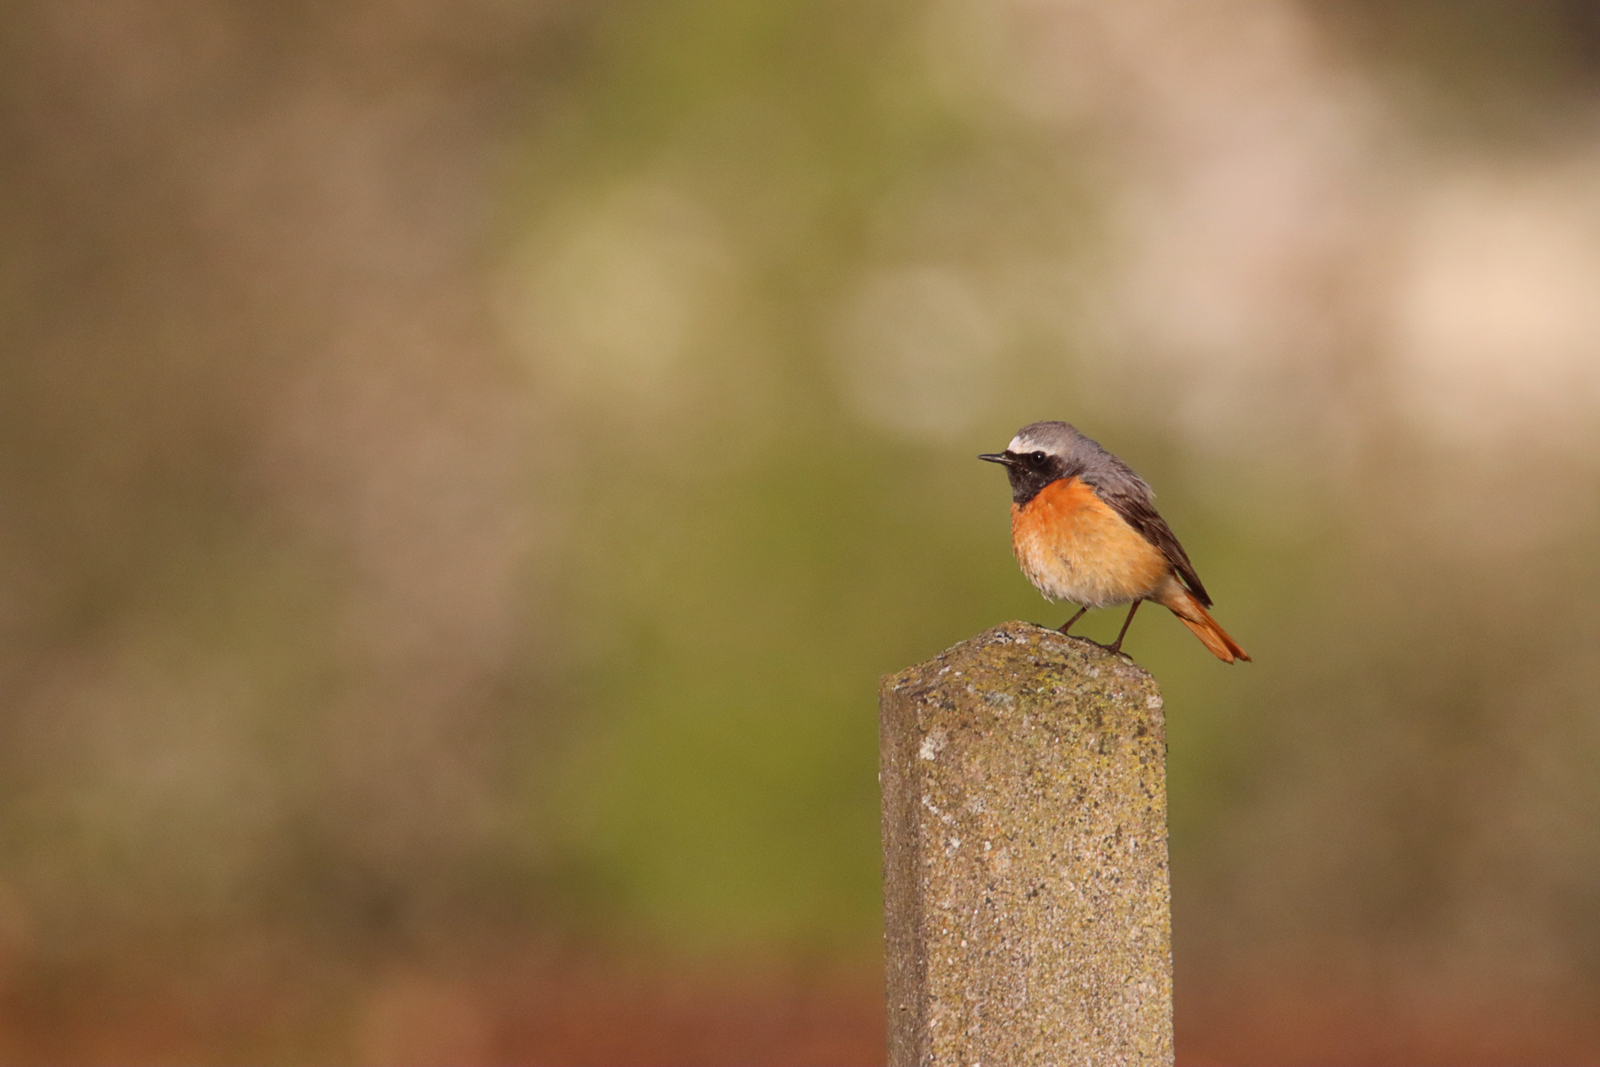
x=1074 y=546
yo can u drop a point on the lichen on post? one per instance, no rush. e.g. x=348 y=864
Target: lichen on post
x=1025 y=856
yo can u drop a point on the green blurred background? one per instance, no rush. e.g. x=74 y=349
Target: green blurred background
x=464 y=467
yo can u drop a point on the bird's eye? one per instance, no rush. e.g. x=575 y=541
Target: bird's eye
x=1037 y=457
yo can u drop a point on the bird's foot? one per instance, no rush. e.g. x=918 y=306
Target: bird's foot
x=1115 y=646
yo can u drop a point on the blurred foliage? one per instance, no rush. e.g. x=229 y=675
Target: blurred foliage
x=1479 y=71
x=745 y=556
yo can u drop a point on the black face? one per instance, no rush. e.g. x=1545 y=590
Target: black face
x=1029 y=471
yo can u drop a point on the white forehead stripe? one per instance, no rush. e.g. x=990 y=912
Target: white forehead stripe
x=1023 y=443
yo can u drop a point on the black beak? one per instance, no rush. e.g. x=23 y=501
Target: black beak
x=999 y=457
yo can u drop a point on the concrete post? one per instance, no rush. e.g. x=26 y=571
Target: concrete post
x=1025 y=856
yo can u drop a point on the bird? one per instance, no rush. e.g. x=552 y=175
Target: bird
x=1083 y=529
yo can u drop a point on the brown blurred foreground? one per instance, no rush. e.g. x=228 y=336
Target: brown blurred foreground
x=551 y=1010
x=1287 y=1016
x=558 y=1009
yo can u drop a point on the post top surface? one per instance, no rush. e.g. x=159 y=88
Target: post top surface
x=1023 y=656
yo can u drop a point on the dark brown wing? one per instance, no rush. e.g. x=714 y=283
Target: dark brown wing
x=1131 y=500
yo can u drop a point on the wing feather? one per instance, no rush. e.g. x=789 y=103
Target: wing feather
x=1130 y=497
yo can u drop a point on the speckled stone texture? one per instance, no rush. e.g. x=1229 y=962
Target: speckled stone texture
x=1025 y=854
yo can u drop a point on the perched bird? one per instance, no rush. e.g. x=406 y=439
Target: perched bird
x=1083 y=529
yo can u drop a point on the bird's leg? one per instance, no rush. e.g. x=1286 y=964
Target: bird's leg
x=1116 y=646
x=1068 y=624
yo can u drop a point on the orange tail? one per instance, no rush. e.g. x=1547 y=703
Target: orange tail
x=1193 y=615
